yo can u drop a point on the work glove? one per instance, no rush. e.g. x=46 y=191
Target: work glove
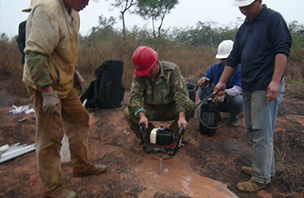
x=218 y=99
x=50 y=103
x=203 y=82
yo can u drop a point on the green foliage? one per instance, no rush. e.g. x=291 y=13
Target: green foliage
x=3 y=37
x=204 y=35
x=155 y=8
x=297 y=32
x=102 y=32
x=122 y=4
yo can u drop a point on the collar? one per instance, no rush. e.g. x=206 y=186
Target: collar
x=262 y=15
x=162 y=73
x=69 y=16
x=220 y=68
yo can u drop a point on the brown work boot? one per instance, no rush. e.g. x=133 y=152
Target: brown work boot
x=250 y=186
x=247 y=170
x=63 y=193
x=94 y=170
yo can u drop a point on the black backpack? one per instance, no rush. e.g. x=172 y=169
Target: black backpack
x=107 y=90
x=192 y=87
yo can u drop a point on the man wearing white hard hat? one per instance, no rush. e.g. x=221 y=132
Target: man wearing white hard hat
x=233 y=103
x=262 y=46
x=52 y=44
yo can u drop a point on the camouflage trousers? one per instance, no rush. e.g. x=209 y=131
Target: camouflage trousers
x=74 y=122
x=157 y=113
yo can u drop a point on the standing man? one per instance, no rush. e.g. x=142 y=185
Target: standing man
x=262 y=46
x=51 y=51
x=158 y=92
x=233 y=103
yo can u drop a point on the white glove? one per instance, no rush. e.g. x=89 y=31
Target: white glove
x=50 y=103
x=218 y=99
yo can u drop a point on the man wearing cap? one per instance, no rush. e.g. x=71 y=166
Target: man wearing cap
x=158 y=92
x=262 y=46
x=21 y=31
x=52 y=44
x=232 y=101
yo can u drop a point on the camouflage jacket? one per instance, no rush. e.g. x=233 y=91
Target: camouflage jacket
x=170 y=87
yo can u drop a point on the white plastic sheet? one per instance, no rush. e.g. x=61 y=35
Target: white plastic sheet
x=65 y=150
x=22 y=109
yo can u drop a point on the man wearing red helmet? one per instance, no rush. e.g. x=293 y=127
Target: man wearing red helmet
x=158 y=92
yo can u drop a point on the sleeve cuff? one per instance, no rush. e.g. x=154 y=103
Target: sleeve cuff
x=138 y=111
x=178 y=110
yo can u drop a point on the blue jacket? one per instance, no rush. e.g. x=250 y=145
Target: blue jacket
x=215 y=71
x=256 y=45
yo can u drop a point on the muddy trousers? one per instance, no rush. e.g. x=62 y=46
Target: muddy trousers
x=74 y=122
x=156 y=113
x=260 y=119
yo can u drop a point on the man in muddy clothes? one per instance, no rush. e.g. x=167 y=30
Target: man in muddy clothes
x=52 y=44
x=262 y=46
x=158 y=92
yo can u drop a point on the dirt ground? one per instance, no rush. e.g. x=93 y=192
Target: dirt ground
x=207 y=167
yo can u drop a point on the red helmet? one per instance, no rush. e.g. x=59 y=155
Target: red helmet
x=144 y=58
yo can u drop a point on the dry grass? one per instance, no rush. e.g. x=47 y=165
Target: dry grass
x=11 y=69
x=289 y=152
x=193 y=62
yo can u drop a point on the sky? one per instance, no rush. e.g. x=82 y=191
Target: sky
x=185 y=14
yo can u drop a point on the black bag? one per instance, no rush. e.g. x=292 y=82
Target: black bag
x=108 y=88
x=192 y=87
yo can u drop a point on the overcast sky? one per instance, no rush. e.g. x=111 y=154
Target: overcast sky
x=186 y=13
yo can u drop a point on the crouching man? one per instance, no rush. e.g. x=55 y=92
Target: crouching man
x=158 y=92
x=232 y=101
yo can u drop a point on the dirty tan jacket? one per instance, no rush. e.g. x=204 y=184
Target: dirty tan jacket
x=53 y=32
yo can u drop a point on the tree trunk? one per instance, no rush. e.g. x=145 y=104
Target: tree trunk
x=154 y=34
x=124 y=31
x=160 y=26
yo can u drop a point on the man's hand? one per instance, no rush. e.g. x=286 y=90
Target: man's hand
x=143 y=119
x=273 y=90
x=182 y=120
x=50 y=103
x=219 y=89
x=218 y=99
x=203 y=82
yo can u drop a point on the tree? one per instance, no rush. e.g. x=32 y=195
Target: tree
x=124 y=5
x=4 y=37
x=155 y=9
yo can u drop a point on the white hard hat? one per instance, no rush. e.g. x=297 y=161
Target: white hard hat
x=242 y=3
x=224 y=49
x=32 y=5
x=96 y=1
